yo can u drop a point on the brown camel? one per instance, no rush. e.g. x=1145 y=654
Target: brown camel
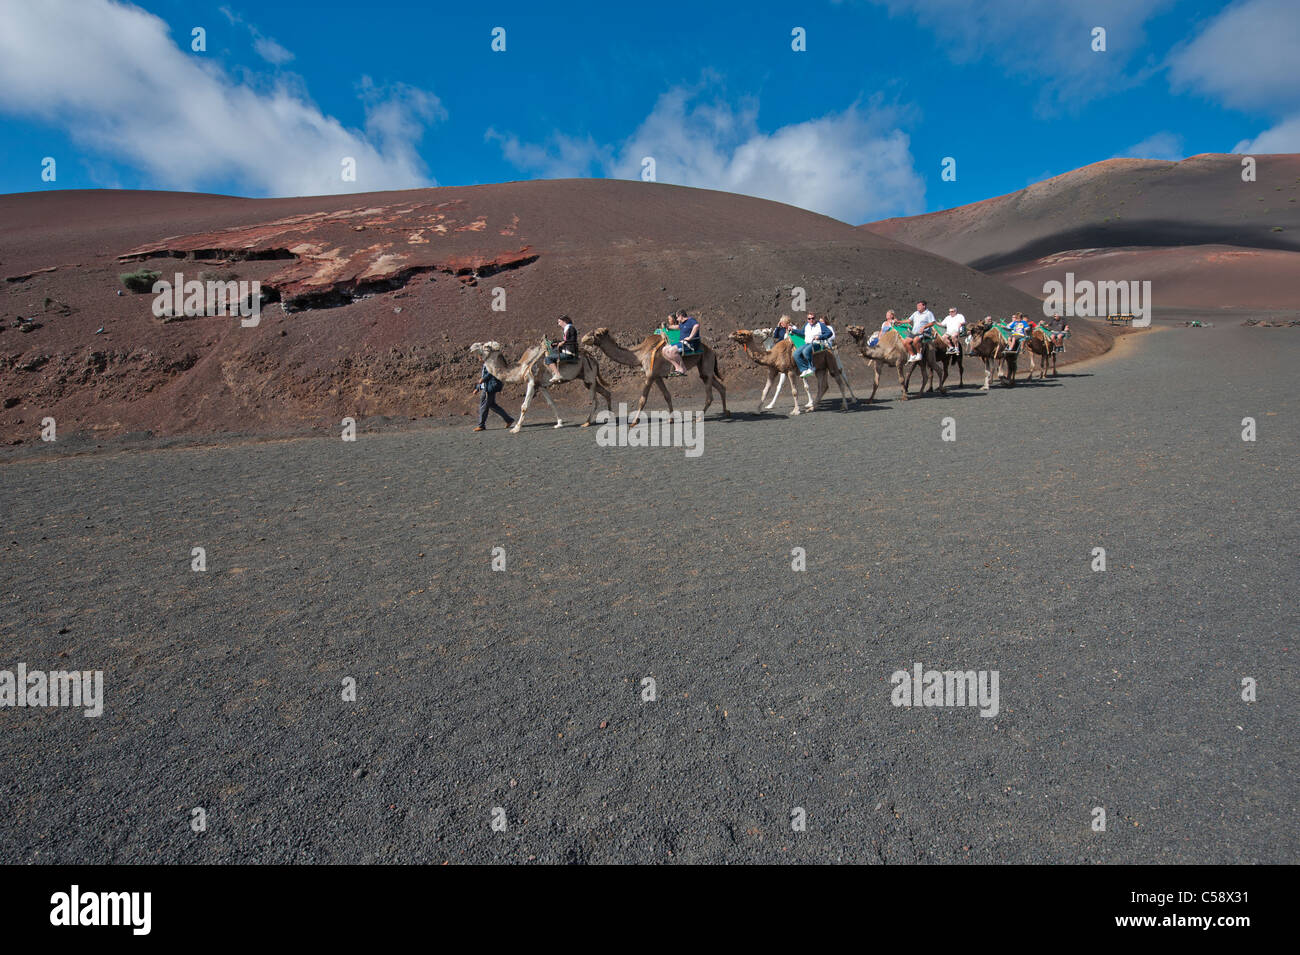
x=779 y=361
x=889 y=350
x=532 y=370
x=947 y=361
x=648 y=356
x=985 y=342
x=1039 y=343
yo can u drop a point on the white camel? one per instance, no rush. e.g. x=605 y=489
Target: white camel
x=532 y=370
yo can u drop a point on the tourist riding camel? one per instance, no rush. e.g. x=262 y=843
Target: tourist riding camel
x=1042 y=344
x=565 y=351
x=921 y=320
x=648 y=356
x=817 y=336
x=889 y=349
x=780 y=364
x=530 y=370
x=689 y=343
x=952 y=326
x=1059 y=330
x=986 y=342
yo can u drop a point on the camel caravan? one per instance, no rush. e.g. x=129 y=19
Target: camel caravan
x=786 y=352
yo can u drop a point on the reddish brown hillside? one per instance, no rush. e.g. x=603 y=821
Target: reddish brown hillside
x=384 y=291
x=1204 y=237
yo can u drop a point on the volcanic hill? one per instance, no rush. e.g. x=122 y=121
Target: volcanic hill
x=373 y=298
x=1201 y=234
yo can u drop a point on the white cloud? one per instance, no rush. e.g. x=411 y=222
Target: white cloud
x=1048 y=41
x=1163 y=145
x=560 y=157
x=852 y=165
x=1245 y=57
x=180 y=118
x=271 y=51
x=265 y=47
x=1282 y=138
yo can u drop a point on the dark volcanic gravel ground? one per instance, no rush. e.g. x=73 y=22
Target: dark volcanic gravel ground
x=521 y=689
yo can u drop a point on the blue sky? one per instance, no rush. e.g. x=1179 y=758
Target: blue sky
x=855 y=126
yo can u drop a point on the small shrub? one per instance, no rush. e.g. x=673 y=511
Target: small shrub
x=140 y=281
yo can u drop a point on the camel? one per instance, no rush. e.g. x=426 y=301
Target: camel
x=779 y=361
x=1039 y=343
x=947 y=361
x=985 y=342
x=649 y=358
x=532 y=370
x=891 y=351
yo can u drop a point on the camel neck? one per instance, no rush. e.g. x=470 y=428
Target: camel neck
x=616 y=352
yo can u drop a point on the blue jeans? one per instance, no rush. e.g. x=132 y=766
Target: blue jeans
x=803 y=357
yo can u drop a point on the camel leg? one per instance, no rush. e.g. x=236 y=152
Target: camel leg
x=875 y=380
x=546 y=393
x=780 y=383
x=710 y=383
x=842 y=381
x=645 y=391
x=766 y=385
x=663 y=390
x=903 y=380
x=609 y=398
x=822 y=385
x=523 y=407
x=940 y=373
x=591 y=412
x=807 y=391
x=843 y=375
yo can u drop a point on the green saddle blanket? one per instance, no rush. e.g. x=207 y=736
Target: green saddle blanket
x=1012 y=343
x=904 y=330
x=798 y=342
x=674 y=336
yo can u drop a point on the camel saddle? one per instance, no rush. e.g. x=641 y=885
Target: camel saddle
x=797 y=340
x=1013 y=342
x=904 y=330
x=554 y=354
x=674 y=337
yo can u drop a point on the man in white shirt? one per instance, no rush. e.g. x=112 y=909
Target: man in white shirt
x=952 y=328
x=814 y=331
x=921 y=321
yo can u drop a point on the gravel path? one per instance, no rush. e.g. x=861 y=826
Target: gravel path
x=522 y=689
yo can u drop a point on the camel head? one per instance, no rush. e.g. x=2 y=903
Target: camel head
x=857 y=333
x=486 y=350
x=592 y=339
x=743 y=337
x=976 y=333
